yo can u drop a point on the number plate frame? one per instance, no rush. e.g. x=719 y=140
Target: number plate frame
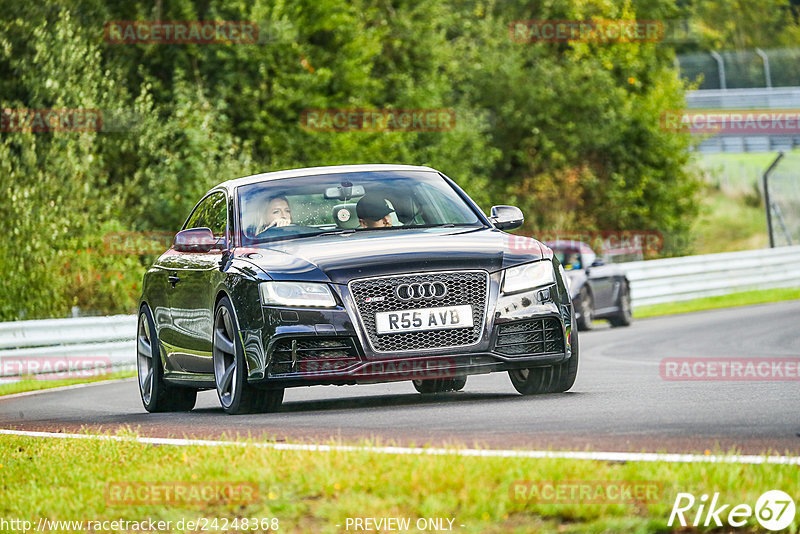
x=424 y=319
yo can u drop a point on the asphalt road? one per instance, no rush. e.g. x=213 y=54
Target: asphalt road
x=619 y=402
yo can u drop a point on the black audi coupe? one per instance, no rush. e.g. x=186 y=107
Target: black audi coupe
x=349 y=275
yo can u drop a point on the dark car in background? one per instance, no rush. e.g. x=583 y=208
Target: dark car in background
x=599 y=290
x=346 y=275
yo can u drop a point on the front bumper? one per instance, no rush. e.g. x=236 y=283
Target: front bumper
x=331 y=346
x=324 y=372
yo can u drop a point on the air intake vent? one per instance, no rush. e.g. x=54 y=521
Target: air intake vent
x=529 y=338
x=289 y=354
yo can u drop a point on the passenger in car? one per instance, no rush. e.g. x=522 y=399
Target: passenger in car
x=374 y=211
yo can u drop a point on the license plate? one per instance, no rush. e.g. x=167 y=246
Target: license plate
x=420 y=320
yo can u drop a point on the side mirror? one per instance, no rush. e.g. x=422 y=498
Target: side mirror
x=195 y=240
x=507 y=217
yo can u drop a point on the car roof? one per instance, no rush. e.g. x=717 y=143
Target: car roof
x=567 y=244
x=314 y=171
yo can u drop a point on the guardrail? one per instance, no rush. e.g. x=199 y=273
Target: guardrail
x=689 y=277
x=776 y=98
x=762 y=98
x=112 y=339
x=67 y=347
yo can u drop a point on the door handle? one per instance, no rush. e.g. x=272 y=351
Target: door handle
x=173 y=279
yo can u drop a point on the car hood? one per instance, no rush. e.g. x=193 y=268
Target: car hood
x=341 y=258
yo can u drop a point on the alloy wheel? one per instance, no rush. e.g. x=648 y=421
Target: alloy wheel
x=224 y=355
x=144 y=358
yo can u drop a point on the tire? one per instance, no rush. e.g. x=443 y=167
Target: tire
x=552 y=379
x=625 y=316
x=230 y=369
x=459 y=383
x=440 y=385
x=156 y=395
x=273 y=398
x=586 y=305
x=568 y=371
x=427 y=387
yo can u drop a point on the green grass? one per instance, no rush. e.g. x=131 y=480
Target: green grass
x=32 y=384
x=315 y=491
x=739 y=171
x=723 y=301
x=728 y=223
x=732 y=215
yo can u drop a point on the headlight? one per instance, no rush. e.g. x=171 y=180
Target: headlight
x=305 y=294
x=528 y=276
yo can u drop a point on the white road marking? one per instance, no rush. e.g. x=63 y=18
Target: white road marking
x=432 y=451
x=65 y=388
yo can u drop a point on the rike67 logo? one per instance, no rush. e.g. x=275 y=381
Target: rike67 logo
x=774 y=510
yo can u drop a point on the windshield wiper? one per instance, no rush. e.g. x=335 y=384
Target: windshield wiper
x=346 y=231
x=337 y=232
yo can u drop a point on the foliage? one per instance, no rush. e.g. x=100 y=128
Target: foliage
x=569 y=131
x=742 y=24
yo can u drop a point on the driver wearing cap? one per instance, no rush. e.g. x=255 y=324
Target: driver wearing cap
x=374 y=212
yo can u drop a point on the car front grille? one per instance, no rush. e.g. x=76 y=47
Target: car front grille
x=530 y=337
x=463 y=287
x=310 y=353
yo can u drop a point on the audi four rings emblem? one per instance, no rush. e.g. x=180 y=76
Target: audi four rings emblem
x=421 y=290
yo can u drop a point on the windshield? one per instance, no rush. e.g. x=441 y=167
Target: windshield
x=573 y=258
x=383 y=200
x=569 y=258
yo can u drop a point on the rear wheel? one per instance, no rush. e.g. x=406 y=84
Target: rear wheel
x=586 y=310
x=156 y=395
x=624 y=316
x=440 y=385
x=550 y=379
x=230 y=370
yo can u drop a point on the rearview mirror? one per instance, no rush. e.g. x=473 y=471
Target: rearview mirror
x=507 y=217
x=195 y=240
x=346 y=191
